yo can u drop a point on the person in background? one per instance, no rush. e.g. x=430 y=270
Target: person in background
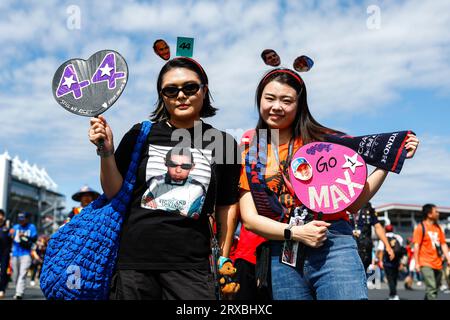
x=366 y=219
x=24 y=235
x=373 y=271
x=245 y=263
x=446 y=286
x=37 y=254
x=391 y=266
x=85 y=196
x=429 y=246
x=5 y=250
x=409 y=279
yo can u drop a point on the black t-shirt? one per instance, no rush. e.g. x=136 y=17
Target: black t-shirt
x=5 y=241
x=366 y=220
x=166 y=227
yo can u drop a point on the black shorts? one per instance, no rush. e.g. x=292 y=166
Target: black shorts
x=162 y=285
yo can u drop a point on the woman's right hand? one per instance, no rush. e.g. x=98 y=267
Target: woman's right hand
x=313 y=234
x=100 y=130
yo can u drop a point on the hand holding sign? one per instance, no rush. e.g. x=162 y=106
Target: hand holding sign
x=327 y=177
x=101 y=133
x=412 y=142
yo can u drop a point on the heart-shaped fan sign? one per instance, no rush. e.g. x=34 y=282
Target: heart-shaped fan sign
x=90 y=87
x=327 y=177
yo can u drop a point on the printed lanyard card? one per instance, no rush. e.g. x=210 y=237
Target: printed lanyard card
x=290 y=247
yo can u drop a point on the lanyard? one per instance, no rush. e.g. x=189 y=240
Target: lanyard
x=277 y=156
x=275 y=150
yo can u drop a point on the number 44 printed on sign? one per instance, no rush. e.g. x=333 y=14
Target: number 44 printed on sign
x=106 y=71
x=185 y=47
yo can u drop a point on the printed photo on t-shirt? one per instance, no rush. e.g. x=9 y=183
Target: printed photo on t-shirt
x=177 y=180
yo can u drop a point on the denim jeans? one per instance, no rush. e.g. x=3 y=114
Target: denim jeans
x=20 y=266
x=332 y=272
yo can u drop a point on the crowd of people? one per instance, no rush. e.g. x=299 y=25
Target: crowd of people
x=422 y=259
x=386 y=258
x=22 y=252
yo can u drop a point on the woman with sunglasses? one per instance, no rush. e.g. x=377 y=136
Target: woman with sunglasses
x=328 y=264
x=182 y=179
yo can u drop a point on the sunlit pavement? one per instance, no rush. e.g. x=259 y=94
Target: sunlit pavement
x=417 y=294
x=31 y=293
x=35 y=293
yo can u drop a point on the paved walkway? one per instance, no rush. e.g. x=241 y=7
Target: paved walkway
x=418 y=293
x=35 y=293
x=31 y=293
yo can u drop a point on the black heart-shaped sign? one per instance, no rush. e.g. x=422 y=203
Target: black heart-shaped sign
x=90 y=87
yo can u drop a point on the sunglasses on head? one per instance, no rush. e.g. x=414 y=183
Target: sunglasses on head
x=185 y=166
x=188 y=89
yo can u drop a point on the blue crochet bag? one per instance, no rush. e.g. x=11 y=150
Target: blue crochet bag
x=81 y=256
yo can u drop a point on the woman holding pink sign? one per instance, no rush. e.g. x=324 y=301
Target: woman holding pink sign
x=312 y=252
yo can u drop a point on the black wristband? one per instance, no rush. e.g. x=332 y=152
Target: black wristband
x=288 y=232
x=105 y=154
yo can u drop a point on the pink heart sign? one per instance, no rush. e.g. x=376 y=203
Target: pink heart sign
x=327 y=177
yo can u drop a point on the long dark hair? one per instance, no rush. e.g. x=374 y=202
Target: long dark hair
x=304 y=125
x=160 y=113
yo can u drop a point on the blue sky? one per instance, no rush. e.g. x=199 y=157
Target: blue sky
x=380 y=77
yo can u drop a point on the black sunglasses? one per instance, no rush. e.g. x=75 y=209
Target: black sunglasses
x=184 y=166
x=188 y=89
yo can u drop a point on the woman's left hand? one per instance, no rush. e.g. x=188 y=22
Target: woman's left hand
x=411 y=145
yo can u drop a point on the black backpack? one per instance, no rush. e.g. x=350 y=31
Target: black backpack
x=399 y=251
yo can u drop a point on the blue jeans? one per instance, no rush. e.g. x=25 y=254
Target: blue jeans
x=332 y=272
